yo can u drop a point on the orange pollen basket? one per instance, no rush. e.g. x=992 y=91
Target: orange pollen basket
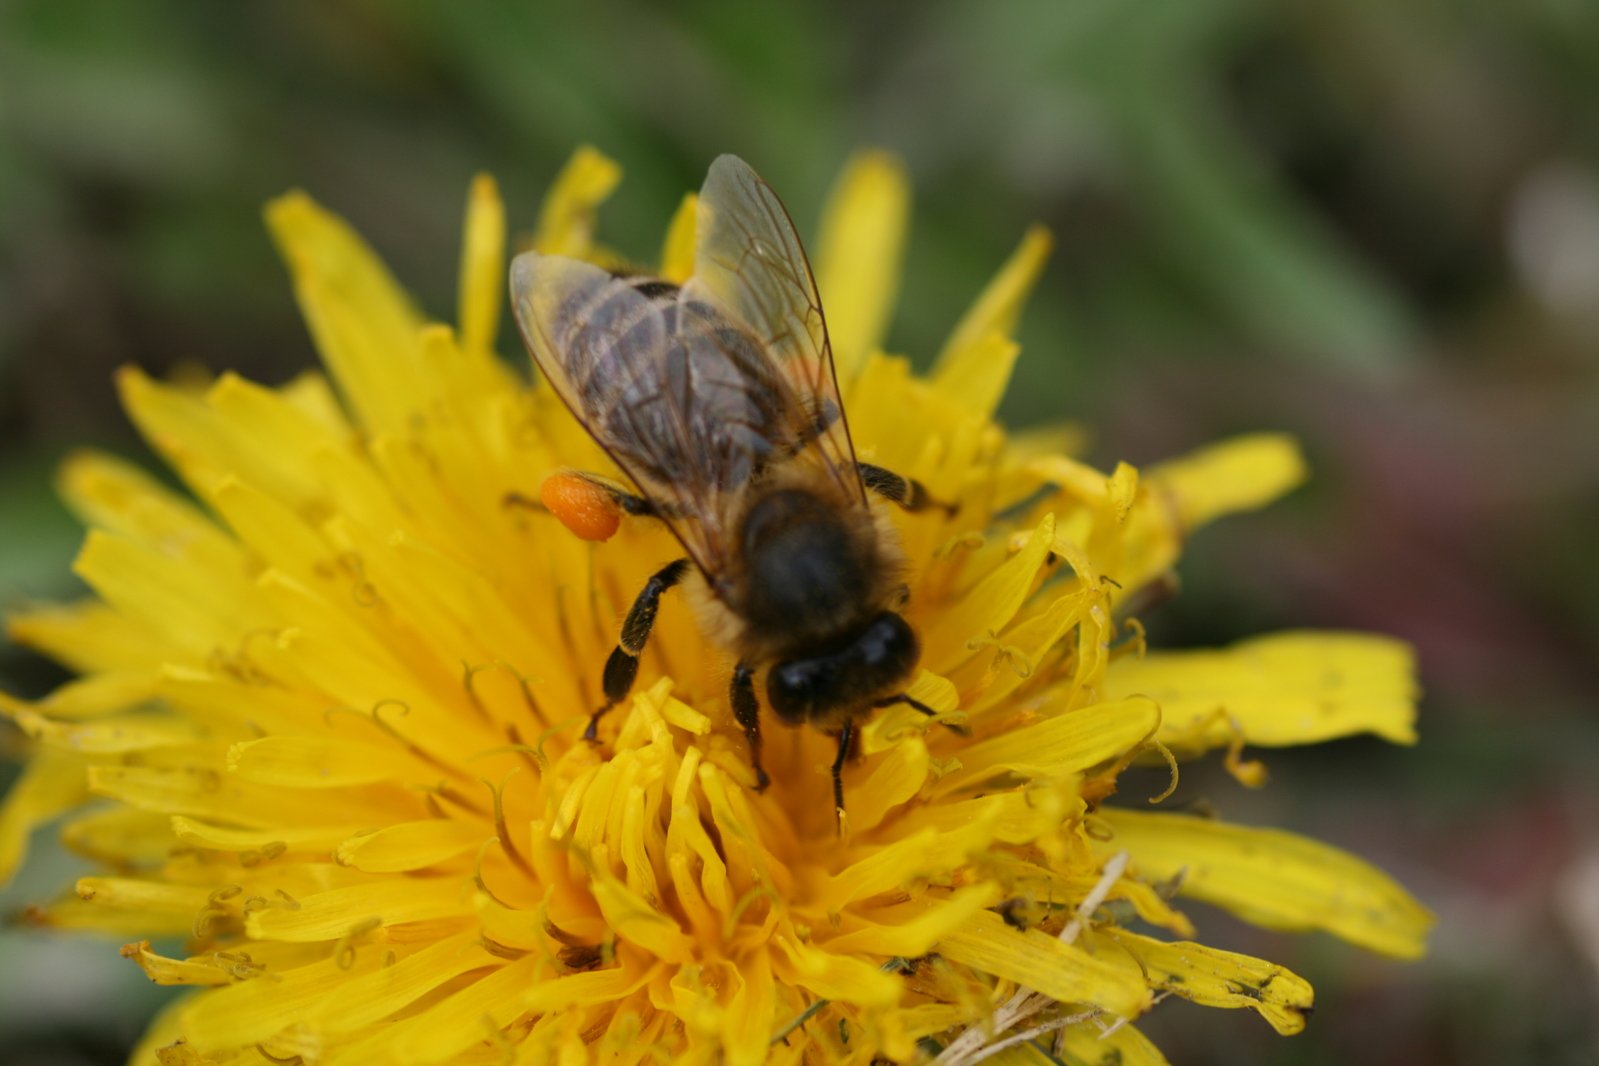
x=582 y=506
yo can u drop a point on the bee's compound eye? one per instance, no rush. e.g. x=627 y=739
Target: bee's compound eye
x=583 y=507
x=876 y=659
x=793 y=687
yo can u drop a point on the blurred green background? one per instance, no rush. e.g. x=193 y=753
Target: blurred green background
x=1375 y=225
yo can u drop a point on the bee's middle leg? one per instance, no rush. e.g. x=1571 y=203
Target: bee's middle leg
x=622 y=667
x=747 y=711
x=909 y=493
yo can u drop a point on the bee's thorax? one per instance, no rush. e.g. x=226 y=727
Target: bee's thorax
x=809 y=568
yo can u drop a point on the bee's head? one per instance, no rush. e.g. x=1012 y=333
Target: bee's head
x=876 y=659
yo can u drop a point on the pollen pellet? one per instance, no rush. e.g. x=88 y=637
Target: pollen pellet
x=582 y=506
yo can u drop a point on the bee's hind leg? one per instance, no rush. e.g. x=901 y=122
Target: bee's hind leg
x=622 y=667
x=747 y=710
x=588 y=505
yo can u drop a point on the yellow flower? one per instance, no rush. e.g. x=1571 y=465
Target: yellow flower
x=325 y=740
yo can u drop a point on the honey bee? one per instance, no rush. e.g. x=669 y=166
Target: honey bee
x=719 y=400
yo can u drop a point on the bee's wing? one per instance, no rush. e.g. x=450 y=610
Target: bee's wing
x=687 y=406
x=749 y=263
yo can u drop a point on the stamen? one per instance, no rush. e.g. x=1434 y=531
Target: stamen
x=1171 y=763
x=1137 y=640
x=511 y=850
x=363 y=592
x=504 y=951
x=730 y=923
x=344 y=951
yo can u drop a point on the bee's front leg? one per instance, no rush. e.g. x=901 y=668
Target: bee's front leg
x=747 y=711
x=846 y=737
x=919 y=706
x=622 y=667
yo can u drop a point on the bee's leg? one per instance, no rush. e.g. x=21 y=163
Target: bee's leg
x=622 y=667
x=587 y=504
x=846 y=737
x=747 y=711
x=889 y=701
x=907 y=492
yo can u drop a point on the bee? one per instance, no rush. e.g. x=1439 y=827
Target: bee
x=719 y=400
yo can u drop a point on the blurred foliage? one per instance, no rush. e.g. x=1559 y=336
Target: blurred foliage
x=1376 y=225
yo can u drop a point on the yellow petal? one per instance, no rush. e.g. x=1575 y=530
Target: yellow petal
x=890 y=867
x=482 y=286
x=120 y=836
x=364 y=325
x=364 y=1000
x=89 y=697
x=1026 y=1053
x=199 y=970
x=315 y=762
x=87 y=636
x=909 y=930
x=1045 y=964
x=982 y=373
x=113 y=494
x=204 y=793
x=194 y=610
x=894 y=780
x=858 y=255
x=245 y=1014
x=215 y=435
x=1289 y=688
x=1061 y=745
x=51 y=782
x=333 y=914
x=127 y=893
x=993 y=314
x=277 y=837
x=471 y=1015
x=636 y=921
x=155 y=1047
x=581 y=989
x=1088 y=1045
x=1075 y=477
x=106 y=736
x=1015 y=817
x=410 y=845
x=566 y=221
x=832 y=976
x=677 y=255
x=298 y=471
x=1274 y=879
x=1236 y=475
x=988 y=607
x=77 y=915
x=1211 y=977
x=747 y=1024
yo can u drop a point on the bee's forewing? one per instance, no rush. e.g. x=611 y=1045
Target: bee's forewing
x=750 y=263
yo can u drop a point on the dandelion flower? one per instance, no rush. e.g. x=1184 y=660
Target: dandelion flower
x=324 y=740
